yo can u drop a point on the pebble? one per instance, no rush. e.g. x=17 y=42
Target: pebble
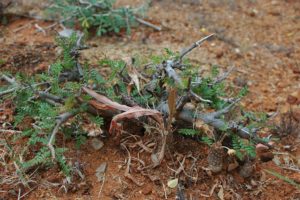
x=266 y=157
x=97 y=144
x=100 y=171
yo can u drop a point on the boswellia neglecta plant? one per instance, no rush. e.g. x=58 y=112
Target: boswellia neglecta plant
x=71 y=101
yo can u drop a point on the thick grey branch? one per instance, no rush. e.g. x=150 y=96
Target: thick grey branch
x=219 y=124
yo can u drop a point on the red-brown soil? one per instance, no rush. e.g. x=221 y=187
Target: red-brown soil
x=260 y=38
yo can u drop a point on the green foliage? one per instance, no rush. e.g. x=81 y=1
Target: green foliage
x=68 y=45
x=101 y=15
x=42 y=114
x=192 y=132
x=212 y=92
x=97 y=120
x=207 y=140
x=243 y=148
x=2 y=61
x=189 y=132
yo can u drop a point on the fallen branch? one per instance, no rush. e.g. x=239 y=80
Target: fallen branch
x=146 y=23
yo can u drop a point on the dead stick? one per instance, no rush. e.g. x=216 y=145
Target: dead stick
x=148 y=24
x=223 y=76
x=196 y=44
x=59 y=121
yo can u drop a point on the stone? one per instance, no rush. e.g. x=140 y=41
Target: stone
x=266 y=157
x=247 y=169
x=97 y=144
x=100 y=171
x=215 y=158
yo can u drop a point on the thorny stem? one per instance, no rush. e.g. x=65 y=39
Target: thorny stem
x=59 y=121
x=196 y=44
x=223 y=76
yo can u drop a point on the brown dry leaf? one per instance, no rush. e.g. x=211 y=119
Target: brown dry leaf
x=136 y=112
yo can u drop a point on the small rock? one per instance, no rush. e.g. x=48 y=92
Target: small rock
x=215 y=158
x=266 y=157
x=173 y=183
x=247 y=169
x=97 y=144
x=261 y=148
x=219 y=53
x=253 y=182
x=253 y=13
x=287 y=147
x=100 y=171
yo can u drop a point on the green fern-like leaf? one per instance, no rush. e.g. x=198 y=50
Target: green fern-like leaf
x=66 y=169
x=242 y=148
x=189 y=132
x=42 y=157
x=207 y=140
